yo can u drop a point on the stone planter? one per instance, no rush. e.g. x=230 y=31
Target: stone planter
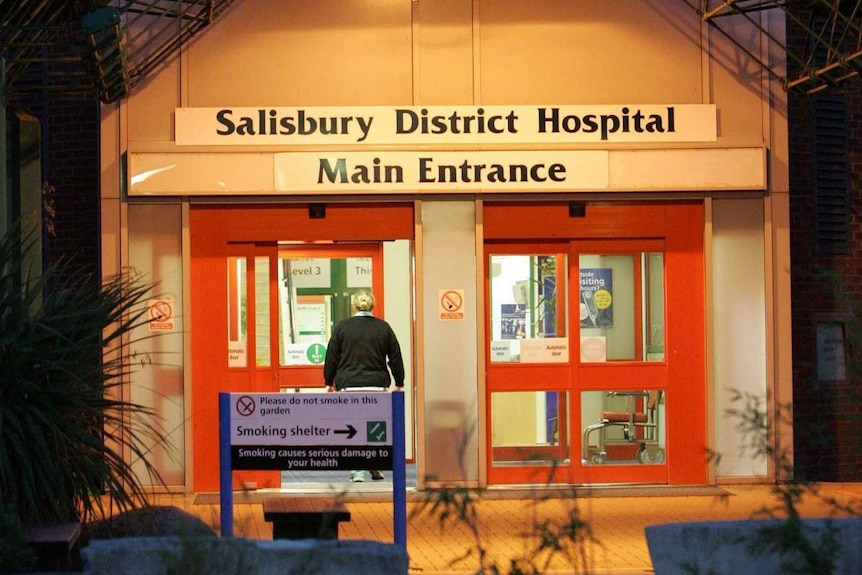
x=724 y=547
x=234 y=556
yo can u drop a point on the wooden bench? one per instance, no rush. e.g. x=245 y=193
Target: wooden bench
x=55 y=544
x=304 y=517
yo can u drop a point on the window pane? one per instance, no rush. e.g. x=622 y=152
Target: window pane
x=155 y=248
x=654 y=282
x=236 y=309
x=528 y=308
x=314 y=295
x=623 y=427
x=261 y=312
x=530 y=427
x=607 y=294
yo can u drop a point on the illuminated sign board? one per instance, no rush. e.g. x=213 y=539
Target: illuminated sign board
x=445 y=125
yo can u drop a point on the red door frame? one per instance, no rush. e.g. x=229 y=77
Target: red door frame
x=683 y=375
x=213 y=229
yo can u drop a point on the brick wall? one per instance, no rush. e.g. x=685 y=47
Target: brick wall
x=827 y=416
x=69 y=118
x=72 y=167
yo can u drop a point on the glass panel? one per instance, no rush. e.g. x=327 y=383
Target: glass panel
x=155 y=250
x=397 y=285
x=654 y=290
x=607 y=295
x=261 y=312
x=528 y=308
x=314 y=295
x=611 y=296
x=530 y=427
x=237 y=301
x=623 y=427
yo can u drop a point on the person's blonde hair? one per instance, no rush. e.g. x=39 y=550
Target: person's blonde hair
x=362 y=301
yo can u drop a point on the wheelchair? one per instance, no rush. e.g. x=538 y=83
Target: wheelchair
x=639 y=425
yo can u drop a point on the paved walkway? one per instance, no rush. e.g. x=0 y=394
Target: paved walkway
x=616 y=518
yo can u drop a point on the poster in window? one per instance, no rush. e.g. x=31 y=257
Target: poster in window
x=596 y=297
x=831 y=357
x=514 y=320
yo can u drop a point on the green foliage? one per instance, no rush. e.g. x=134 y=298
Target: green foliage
x=64 y=423
x=802 y=549
x=570 y=539
x=15 y=555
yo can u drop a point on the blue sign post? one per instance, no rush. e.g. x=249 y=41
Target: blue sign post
x=399 y=472
x=225 y=470
x=313 y=432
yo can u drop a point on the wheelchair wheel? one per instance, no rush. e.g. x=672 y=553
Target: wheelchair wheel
x=645 y=457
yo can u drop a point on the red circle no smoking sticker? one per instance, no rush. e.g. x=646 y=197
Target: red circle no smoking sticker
x=451 y=304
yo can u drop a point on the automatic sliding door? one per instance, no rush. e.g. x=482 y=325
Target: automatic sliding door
x=314 y=287
x=622 y=377
x=528 y=360
x=577 y=410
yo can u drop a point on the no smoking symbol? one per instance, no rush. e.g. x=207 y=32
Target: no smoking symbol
x=245 y=405
x=161 y=311
x=451 y=301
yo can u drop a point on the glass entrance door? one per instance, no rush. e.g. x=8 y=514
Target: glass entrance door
x=622 y=378
x=283 y=301
x=578 y=378
x=267 y=284
x=250 y=309
x=529 y=377
x=314 y=285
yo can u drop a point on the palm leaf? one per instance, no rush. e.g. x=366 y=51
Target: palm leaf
x=67 y=433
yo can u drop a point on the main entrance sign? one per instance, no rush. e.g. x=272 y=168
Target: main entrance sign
x=441 y=171
x=446 y=149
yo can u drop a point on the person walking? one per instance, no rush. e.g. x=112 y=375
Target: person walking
x=360 y=356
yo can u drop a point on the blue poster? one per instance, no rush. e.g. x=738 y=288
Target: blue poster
x=514 y=316
x=596 y=297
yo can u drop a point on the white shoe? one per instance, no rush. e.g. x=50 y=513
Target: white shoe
x=357 y=476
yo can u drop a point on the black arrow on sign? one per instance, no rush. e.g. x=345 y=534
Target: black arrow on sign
x=350 y=431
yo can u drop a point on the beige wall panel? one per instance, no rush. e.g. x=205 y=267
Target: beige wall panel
x=444 y=52
x=450 y=352
x=590 y=52
x=110 y=146
x=304 y=52
x=210 y=174
x=736 y=82
x=739 y=326
x=699 y=169
x=151 y=105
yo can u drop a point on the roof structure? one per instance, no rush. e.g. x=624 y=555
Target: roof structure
x=45 y=42
x=828 y=50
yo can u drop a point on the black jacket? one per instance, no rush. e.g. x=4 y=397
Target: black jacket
x=358 y=353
